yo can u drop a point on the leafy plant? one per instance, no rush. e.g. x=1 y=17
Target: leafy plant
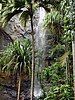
x=17 y=58
x=46 y=73
x=18 y=53
x=57 y=51
x=54 y=74
x=52 y=17
x=63 y=92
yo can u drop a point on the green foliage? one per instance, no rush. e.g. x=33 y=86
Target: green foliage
x=63 y=92
x=59 y=21
x=63 y=58
x=55 y=76
x=57 y=51
x=46 y=73
x=24 y=18
x=7 y=8
x=14 y=7
x=54 y=73
x=16 y=55
x=52 y=17
x=61 y=24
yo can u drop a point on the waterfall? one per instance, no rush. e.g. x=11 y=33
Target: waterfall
x=40 y=46
x=40 y=27
x=40 y=32
x=39 y=42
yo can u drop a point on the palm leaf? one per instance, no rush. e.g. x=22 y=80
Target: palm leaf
x=24 y=18
x=8 y=65
x=62 y=59
x=16 y=66
x=8 y=16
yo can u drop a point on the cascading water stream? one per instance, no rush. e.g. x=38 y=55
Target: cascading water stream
x=40 y=46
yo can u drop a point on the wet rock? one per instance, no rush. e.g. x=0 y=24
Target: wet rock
x=12 y=92
x=9 y=93
x=5 y=96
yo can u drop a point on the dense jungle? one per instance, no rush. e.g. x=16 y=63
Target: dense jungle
x=37 y=49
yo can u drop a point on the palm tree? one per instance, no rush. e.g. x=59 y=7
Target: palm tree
x=16 y=59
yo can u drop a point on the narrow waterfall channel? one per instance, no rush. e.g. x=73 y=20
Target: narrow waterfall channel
x=40 y=46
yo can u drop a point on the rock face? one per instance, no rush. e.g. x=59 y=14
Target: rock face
x=5 y=97
x=14 y=28
x=5 y=39
x=10 y=93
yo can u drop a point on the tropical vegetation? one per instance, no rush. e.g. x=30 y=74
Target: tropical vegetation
x=57 y=76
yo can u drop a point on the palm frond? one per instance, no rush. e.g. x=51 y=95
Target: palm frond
x=16 y=55
x=63 y=58
x=24 y=17
x=8 y=16
x=8 y=65
x=16 y=66
x=52 y=17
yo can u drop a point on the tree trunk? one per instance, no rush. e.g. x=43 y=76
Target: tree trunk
x=73 y=42
x=66 y=70
x=73 y=51
x=33 y=55
x=33 y=70
x=19 y=85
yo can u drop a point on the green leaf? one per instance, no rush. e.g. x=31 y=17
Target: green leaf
x=16 y=66
x=62 y=59
x=24 y=17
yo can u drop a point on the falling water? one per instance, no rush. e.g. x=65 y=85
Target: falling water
x=40 y=32
x=40 y=45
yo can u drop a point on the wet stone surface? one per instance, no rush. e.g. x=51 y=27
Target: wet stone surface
x=10 y=93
